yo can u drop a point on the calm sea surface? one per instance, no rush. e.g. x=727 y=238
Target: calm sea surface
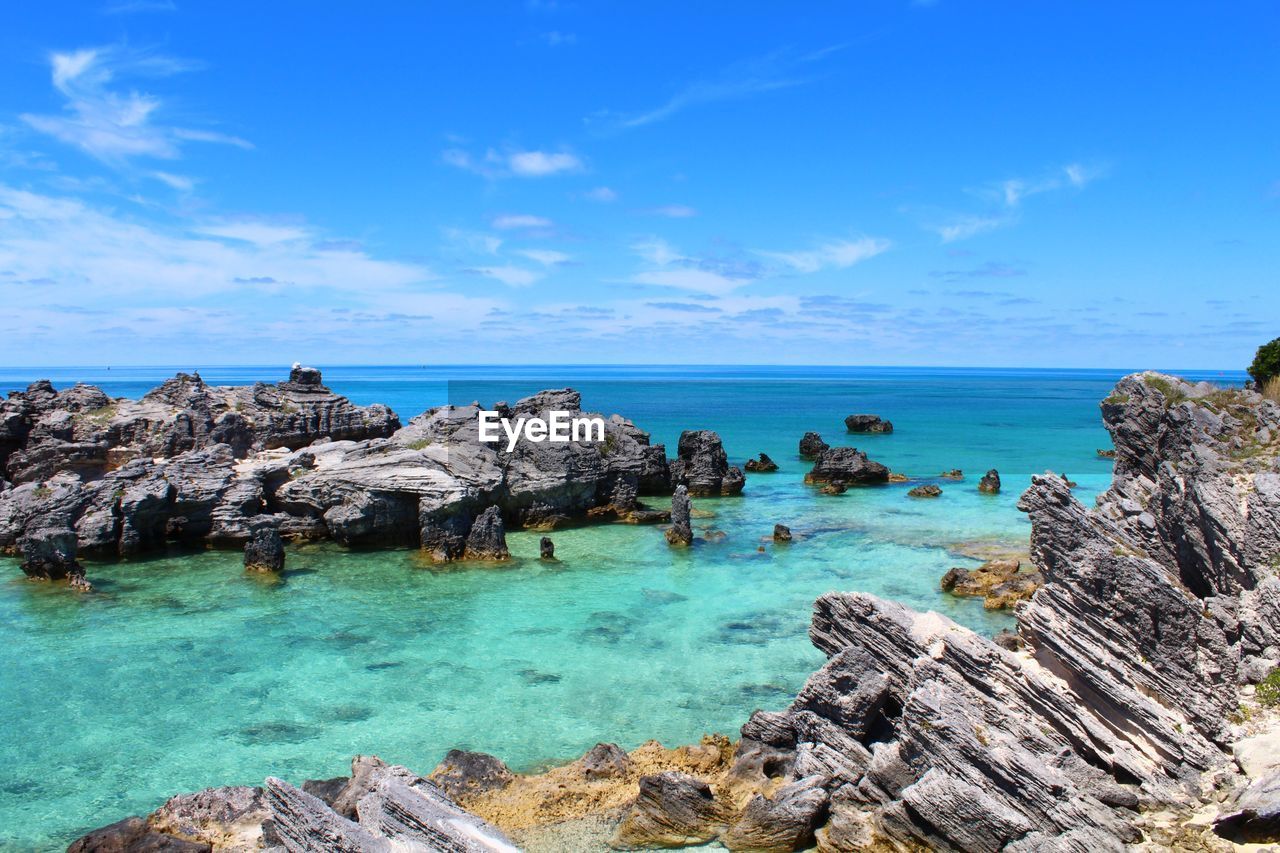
x=180 y=672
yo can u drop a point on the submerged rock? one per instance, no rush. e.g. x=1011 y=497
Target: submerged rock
x=990 y=482
x=926 y=491
x=846 y=466
x=680 y=533
x=812 y=446
x=265 y=551
x=702 y=466
x=762 y=465
x=867 y=423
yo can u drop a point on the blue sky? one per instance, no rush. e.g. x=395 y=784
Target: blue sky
x=912 y=183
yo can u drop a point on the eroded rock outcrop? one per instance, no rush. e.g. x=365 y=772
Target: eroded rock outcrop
x=990 y=482
x=702 y=466
x=867 y=424
x=680 y=533
x=846 y=466
x=812 y=445
x=265 y=551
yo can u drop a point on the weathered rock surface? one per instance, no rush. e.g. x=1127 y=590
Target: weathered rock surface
x=672 y=810
x=953 y=474
x=999 y=582
x=928 y=490
x=461 y=773
x=546 y=548
x=199 y=465
x=134 y=835
x=702 y=466
x=990 y=482
x=812 y=445
x=846 y=466
x=867 y=423
x=762 y=465
x=265 y=551
x=781 y=533
x=488 y=537
x=680 y=532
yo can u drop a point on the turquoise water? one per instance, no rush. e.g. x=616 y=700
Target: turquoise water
x=181 y=672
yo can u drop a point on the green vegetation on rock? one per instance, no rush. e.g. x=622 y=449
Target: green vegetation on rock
x=1266 y=363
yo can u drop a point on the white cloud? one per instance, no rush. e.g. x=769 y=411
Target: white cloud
x=601 y=194
x=520 y=221
x=688 y=278
x=657 y=251
x=839 y=254
x=177 y=182
x=509 y=275
x=473 y=241
x=546 y=257
x=674 y=211
x=111 y=125
x=258 y=233
x=969 y=226
x=536 y=164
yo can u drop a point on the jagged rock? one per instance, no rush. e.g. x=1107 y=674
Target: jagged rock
x=847 y=466
x=418 y=816
x=784 y=822
x=999 y=582
x=672 y=810
x=781 y=533
x=49 y=553
x=227 y=818
x=134 y=835
x=488 y=537
x=990 y=482
x=327 y=790
x=1254 y=817
x=953 y=474
x=836 y=488
x=762 y=465
x=605 y=761
x=867 y=423
x=1106 y=453
x=546 y=548
x=1008 y=640
x=265 y=551
x=812 y=446
x=926 y=491
x=702 y=466
x=304 y=824
x=681 y=530
x=461 y=774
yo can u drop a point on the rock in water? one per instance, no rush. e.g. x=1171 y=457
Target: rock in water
x=134 y=834
x=998 y=582
x=990 y=482
x=867 y=423
x=812 y=446
x=681 y=530
x=546 y=548
x=926 y=491
x=781 y=533
x=488 y=537
x=953 y=474
x=762 y=465
x=265 y=551
x=846 y=466
x=49 y=553
x=702 y=466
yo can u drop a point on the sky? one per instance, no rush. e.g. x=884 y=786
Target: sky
x=889 y=182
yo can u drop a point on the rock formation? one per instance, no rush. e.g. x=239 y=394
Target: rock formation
x=265 y=551
x=846 y=466
x=781 y=533
x=488 y=537
x=198 y=465
x=680 y=532
x=1000 y=583
x=928 y=490
x=953 y=474
x=812 y=446
x=762 y=465
x=867 y=423
x=702 y=466
x=546 y=548
x=990 y=482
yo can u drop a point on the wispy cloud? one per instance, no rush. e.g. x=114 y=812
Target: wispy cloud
x=1005 y=200
x=112 y=125
x=601 y=194
x=510 y=275
x=673 y=211
x=133 y=7
x=781 y=69
x=523 y=164
x=839 y=254
x=546 y=257
x=970 y=226
x=520 y=221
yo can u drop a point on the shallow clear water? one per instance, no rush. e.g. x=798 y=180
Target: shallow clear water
x=181 y=672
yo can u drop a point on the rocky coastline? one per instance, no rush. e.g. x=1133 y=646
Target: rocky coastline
x=1125 y=712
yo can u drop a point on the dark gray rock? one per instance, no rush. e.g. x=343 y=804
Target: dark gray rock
x=49 y=553
x=1255 y=815
x=846 y=466
x=133 y=835
x=680 y=532
x=461 y=773
x=672 y=810
x=990 y=482
x=488 y=537
x=702 y=466
x=265 y=551
x=546 y=548
x=762 y=465
x=781 y=533
x=867 y=423
x=605 y=761
x=812 y=446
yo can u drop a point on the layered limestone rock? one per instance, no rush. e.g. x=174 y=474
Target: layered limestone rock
x=118 y=478
x=846 y=466
x=702 y=466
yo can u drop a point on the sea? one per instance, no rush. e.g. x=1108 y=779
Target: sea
x=181 y=672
